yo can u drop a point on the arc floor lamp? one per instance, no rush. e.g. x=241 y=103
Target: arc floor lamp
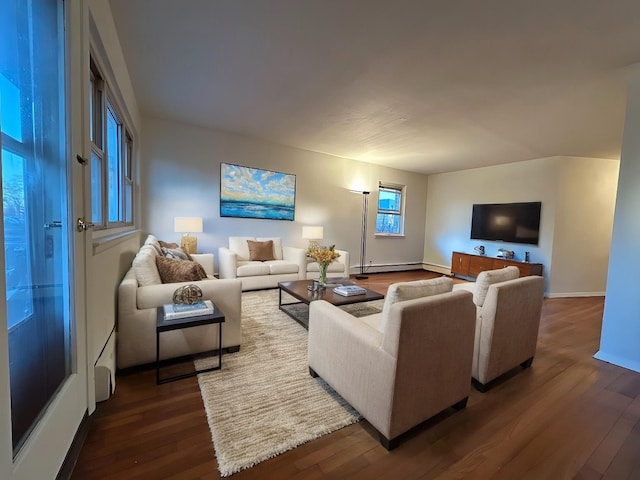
x=363 y=236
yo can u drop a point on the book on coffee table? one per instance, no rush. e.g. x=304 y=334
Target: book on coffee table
x=173 y=311
x=348 y=290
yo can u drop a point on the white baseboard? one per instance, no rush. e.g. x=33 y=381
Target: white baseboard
x=386 y=267
x=574 y=294
x=432 y=267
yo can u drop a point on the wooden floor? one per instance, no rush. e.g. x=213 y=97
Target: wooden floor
x=569 y=416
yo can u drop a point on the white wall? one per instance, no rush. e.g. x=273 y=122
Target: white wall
x=109 y=259
x=577 y=198
x=620 y=340
x=450 y=197
x=181 y=177
x=583 y=226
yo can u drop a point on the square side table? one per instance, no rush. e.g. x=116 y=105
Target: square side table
x=165 y=325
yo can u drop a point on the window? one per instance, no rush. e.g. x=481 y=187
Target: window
x=111 y=158
x=390 y=218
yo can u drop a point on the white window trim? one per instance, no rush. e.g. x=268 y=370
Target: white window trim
x=112 y=99
x=403 y=202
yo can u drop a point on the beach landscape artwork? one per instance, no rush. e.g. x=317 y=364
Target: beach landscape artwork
x=255 y=193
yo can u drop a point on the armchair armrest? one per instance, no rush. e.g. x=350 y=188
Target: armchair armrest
x=228 y=263
x=345 y=258
x=206 y=260
x=294 y=254
x=297 y=256
x=347 y=354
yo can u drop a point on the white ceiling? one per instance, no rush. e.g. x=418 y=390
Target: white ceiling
x=426 y=86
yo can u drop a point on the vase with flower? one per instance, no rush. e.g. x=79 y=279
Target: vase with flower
x=323 y=256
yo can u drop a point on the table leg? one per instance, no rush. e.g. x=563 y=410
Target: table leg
x=157 y=358
x=220 y=345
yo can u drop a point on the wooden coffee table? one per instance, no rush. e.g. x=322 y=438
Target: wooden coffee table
x=299 y=290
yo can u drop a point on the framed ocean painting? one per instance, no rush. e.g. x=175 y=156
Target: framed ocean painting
x=255 y=193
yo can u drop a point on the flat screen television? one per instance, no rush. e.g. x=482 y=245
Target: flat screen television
x=507 y=222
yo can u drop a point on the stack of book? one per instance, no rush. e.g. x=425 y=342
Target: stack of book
x=173 y=311
x=348 y=290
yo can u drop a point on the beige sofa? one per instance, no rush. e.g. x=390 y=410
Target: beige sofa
x=508 y=312
x=235 y=262
x=400 y=367
x=141 y=292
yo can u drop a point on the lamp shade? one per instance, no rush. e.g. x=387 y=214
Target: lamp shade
x=187 y=224
x=312 y=232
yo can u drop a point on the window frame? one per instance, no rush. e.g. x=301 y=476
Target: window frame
x=399 y=212
x=102 y=103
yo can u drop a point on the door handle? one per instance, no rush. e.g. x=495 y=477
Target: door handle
x=82 y=225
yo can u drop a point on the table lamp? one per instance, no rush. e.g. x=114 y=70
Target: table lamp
x=312 y=233
x=188 y=225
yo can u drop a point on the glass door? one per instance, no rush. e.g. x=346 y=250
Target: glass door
x=37 y=230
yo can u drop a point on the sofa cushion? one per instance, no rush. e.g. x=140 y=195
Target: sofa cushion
x=239 y=246
x=144 y=266
x=155 y=243
x=277 y=267
x=277 y=246
x=172 y=270
x=176 y=253
x=400 y=292
x=251 y=269
x=168 y=244
x=489 y=277
x=260 y=251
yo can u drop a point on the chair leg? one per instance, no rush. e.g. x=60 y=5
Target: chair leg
x=527 y=363
x=389 y=444
x=461 y=404
x=312 y=372
x=481 y=387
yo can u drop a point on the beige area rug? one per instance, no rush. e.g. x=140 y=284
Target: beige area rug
x=264 y=402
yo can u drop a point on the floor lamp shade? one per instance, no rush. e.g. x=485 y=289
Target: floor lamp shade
x=188 y=225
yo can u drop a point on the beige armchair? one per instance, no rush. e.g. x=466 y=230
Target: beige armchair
x=507 y=323
x=401 y=367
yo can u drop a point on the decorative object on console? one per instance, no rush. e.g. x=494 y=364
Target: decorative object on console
x=479 y=249
x=324 y=256
x=188 y=294
x=188 y=225
x=255 y=193
x=504 y=253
